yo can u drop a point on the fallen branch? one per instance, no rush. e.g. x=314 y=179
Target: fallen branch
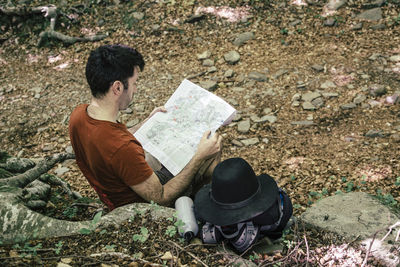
x=368 y=251
x=390 y=230
x=21 y=180
x=188 y=252
x=68 y=39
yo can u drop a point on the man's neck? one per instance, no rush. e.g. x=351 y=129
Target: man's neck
x=101 y=109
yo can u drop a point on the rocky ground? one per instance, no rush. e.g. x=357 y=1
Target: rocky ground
x=316 y=89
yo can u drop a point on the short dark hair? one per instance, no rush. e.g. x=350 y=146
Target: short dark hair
x=109 y=63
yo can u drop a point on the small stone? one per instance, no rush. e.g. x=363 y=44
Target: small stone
x=237 y=143
x=374 y=14
x=310 y=96
x=238 y=89
x=296 y=103
x=138 y=15
x=37 y=96
x=348 y=106
x=195 y=18
x=232 y=101
x=250 y=141
x=61 y=170
x=167 y=256
x=229 y=73
x=357 y=26
x=204 y=55
x=69 y=150
x=359 y=99
x=244 y=126
x=330 y=94
x=330 y=22
x=47 y=148
x=328 y=84
x=208 y=62
x=295 y=22
x=132 y=123
x=308 y=106
x=127 y=111
x=379 y=26
x=243 y=38
x=265 y=140
x=302 y=123
x=377 y=90
x=212 y=69
x=296 y=97
x=395 y=58
x=139 y=108
x=260 y=77
x=237 y=117
x=209 y=85
x=232 y=57
x=269 y=118
x=317 y=67
x=267 y=111
x=318 y=102
x=279 y=73
x=374 y=133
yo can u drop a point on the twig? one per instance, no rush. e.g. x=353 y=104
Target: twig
x=188 y=252
x=196 y=75
x=369 y=250
x=122 y=256
x=308 y=250
x=84 y=205
x=390 y=230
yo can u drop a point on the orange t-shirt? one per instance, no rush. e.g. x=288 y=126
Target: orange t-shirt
x=109 y=156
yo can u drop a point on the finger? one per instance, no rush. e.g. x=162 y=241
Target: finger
x=206 y=134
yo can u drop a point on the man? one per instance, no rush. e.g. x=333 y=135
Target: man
x=108 y=154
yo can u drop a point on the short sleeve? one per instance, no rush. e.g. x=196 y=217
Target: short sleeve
x=130 y=165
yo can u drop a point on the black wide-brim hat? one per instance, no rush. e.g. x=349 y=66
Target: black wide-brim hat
x=235 y=194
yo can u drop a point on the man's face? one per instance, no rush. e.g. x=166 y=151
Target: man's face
x=127 y=95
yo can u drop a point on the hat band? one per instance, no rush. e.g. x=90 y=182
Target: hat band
x=236 y=205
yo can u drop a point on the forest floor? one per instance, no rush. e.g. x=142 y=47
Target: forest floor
x=330 y=93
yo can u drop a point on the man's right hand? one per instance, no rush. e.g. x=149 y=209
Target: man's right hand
x=209 y=145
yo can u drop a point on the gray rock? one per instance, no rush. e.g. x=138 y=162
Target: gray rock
x=269 y=118
x=267 y=111
x=61 y=170
x=260 y=77
x=374 y=14
x=212 y=69
x=237 y=143
x=379 y=26
x=395 y=58
x=232 y=101
x=328 y=84
x=132 y=123
x=296 y=103
x=244 y=126
x=209 y=85
x=208 y=62
x=348 y=106
x=317 y=67
x=232 y=57
x=279 y=73
x=138 y=15
x=377 y=90
x=127 y=111
x=204 y=55
x=69 y=149
x=302 y=123
x=374 y=133
x=250 y=141
x=357 y=26
x=308 y=106
x=243 y=38
x=296 y=97
x=355 y=215
x=335 y=4
x=330 y=22
x=237 y=117
x=359 y=99
x=139 y=108
x=310 y=96
x=330 y=94
x=229 y=73
x=318 y=102
x=295 y=22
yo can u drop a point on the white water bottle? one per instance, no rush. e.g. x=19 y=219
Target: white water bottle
x=185 y=213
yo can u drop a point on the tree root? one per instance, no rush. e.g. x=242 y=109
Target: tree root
x=67 y=39
x=21 y=180
x=54 y=180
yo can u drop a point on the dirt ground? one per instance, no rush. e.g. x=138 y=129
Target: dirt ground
x=311 y=153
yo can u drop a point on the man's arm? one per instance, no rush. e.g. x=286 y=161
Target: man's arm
x=133 y=129
x=152 y=189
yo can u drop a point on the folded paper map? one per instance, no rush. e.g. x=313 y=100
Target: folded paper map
x=172 y=137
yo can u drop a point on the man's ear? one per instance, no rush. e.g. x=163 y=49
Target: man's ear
x=117 y=87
